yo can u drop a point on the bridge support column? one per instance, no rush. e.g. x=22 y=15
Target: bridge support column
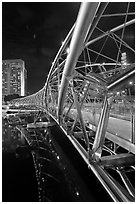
x=101 y=129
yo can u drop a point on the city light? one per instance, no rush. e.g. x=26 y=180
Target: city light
x=17 y=104
x=124 y=63
x=7 y=107
x=45 y=131
x=77 y=193
x=86 y=84
x=131 y=82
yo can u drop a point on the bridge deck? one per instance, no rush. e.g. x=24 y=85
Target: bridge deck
x=118 y=131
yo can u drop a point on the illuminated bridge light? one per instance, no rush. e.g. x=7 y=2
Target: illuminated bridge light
x=131 y=82
x=62 y=43
x=77 y=193
x=67 y=50
x=86 y=84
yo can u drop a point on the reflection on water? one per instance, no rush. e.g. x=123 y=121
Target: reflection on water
x=37 y=172
x=18 y=174
x=11 y=138
x=50 y=169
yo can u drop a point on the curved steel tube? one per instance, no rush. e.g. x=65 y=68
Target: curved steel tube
x=85 y=18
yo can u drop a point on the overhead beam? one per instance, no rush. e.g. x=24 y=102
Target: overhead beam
x=85 y=18
x=110 y=31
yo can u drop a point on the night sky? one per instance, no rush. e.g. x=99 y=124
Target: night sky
x=34 y=32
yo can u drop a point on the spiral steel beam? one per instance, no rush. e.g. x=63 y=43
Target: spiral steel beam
x=76 y=82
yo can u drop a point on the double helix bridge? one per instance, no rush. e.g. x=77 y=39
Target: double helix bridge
x=89 y=96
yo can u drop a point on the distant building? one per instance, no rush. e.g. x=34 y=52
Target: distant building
x=14 y=77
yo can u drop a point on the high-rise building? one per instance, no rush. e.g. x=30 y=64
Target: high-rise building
x=14 y=77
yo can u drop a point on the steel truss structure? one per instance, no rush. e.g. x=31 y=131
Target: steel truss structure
x=85 y=91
